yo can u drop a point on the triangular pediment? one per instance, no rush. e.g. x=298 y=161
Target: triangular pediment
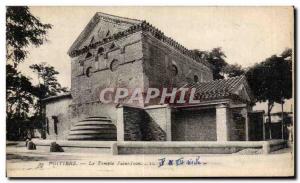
x=243 y=90
x=101 y=26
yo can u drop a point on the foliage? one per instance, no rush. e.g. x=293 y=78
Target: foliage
x=22 y=29
x=48 y=84
x=19 y=101
x=271 y=80
x=233 y=70
x=216 y=57
x=18 y=93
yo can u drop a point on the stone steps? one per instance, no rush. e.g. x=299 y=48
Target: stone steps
x=93 y=128
x=93 y=131
x=94 y=119
x=96 y=123
x=100 y=137
x=97 y=117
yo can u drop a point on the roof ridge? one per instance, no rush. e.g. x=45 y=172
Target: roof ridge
x=229 y=78
x=99 y=13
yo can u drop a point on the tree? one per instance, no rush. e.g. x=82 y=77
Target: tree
x=233 y=70
x=19 y=100
x=216 y=57
x=48 y=86
x=22 y=29
x=271 y=80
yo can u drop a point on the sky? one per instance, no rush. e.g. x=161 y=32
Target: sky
x=247 y=35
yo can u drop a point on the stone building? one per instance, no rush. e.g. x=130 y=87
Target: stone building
x=114 y=52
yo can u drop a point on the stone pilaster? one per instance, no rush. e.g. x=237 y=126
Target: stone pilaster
x=222 y=123
x=244 y=112
x=168 y=124
x=120 y=124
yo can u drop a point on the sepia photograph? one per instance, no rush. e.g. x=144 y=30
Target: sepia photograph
x=150 y=91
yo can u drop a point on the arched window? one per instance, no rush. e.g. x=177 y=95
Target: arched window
x=196 y=79
x=100 y=50
x=174 y=70
x=114 y=65
x=88 y=71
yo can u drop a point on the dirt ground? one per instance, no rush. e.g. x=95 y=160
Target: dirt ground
x=34 y=163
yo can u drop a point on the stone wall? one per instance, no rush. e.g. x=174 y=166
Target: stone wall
x=159 y=59
x=194 y=125
x=237 y=125
x=58 y=109
x=126 y=59
x=159 y=123
x=133 y=123
x=141 y=125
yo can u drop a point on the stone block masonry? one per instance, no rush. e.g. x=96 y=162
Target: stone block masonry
x=137 y=124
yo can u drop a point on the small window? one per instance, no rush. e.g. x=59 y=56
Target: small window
x=114 y=64
x=174 y=70
x=196 y=78
x=96 y=58
x=81 y=63
x=55 y=121
x=101 y=50
x=88 y=71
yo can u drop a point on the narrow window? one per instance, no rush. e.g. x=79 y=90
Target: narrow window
x=55 y=121
x=47 y=126
x=81 y=67
x=196 y=78
x=114 y=64
x=88 y=72
x=174 y=70
x=100 y=51
x=96 y=62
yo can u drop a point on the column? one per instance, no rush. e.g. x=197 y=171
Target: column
x=244 y=112
x=168 y=123
x=222 y=123
x=120 y=124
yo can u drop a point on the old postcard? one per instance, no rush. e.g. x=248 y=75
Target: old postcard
x=149 y=91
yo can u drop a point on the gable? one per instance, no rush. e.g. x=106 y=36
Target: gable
x=243 y=90
x=242 y=93
x=101 y=26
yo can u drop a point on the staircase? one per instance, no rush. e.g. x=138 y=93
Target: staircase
x=94 y=128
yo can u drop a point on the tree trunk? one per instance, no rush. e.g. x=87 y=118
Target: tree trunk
x=269 y=117
x=282 y=122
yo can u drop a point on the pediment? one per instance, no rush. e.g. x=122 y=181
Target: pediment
x=101 y=26
x=243 y=90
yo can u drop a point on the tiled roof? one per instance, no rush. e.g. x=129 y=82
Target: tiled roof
x=216 y=89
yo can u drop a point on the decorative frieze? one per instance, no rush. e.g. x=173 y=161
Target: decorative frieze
x=144 y=26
